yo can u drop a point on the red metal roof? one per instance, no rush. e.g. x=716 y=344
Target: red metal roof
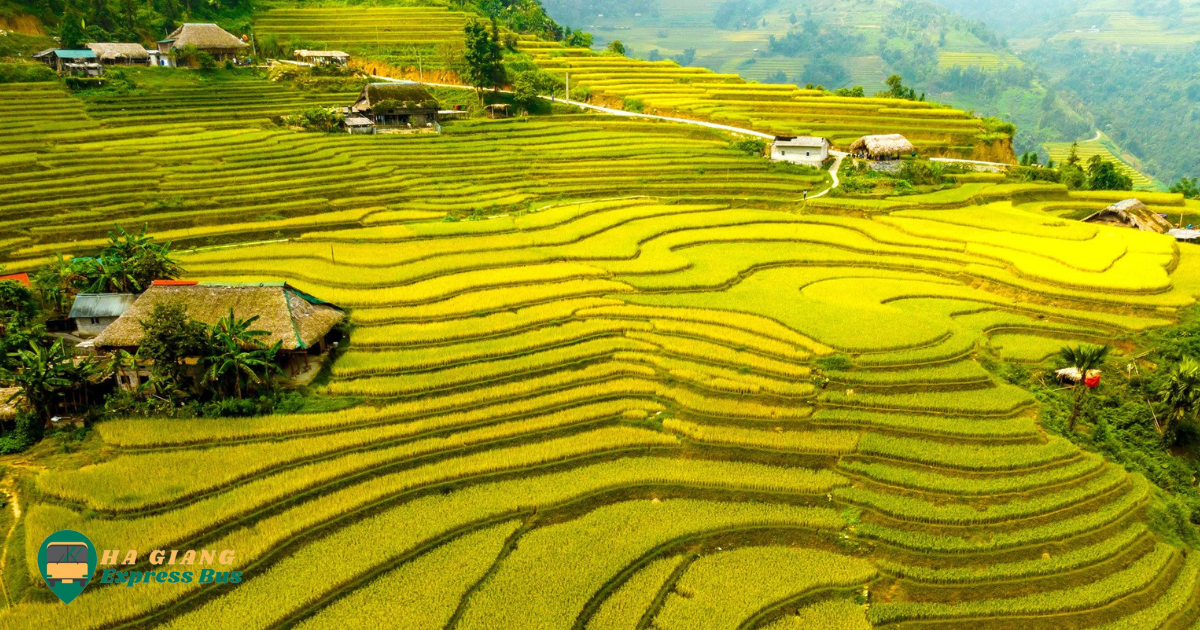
x=175 y=283
x=23 y=278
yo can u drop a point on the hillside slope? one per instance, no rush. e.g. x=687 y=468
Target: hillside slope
x=1132 y=64
x=843 y=44
x=649 y=356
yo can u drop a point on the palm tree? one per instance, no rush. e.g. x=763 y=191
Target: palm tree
x=1084 y=358
x=1181 y=393
x=238 y=356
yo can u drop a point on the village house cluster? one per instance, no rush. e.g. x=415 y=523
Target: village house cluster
x=201 y=37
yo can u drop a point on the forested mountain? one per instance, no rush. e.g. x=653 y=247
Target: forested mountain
x=838 y=44
x=1135 y=64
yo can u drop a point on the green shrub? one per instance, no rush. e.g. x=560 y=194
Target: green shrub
x=323 y=119
x=25 y=73
x=751 y=146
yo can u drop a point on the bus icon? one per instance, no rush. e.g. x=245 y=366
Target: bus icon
x=67 y=563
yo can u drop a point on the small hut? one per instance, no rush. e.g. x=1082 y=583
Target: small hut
x=322 y=57
x=887 y=147
x=301 y=323
x=209 y=38
x=402 y=104
x=358 y=124
x=121 y=54
x=95 y=312
x=498 y=110
x=1131 y=213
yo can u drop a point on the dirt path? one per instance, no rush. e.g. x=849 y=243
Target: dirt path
x=10 y=490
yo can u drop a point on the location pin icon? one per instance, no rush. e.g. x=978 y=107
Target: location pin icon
x=67 y=561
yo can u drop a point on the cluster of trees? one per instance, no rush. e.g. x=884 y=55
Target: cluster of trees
x=236 y=367
x=128 y=263
x=1146 y=101
x=82 y=21
x=41 y=365
x=1098 y=174
x=1188 y=187
x=1139 y=413
x=897 y=89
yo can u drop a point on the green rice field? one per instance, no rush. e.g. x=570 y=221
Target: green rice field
x=587 y=367
x=1058 y=151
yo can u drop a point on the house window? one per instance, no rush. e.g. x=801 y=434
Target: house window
x=95 y=321
x=808 y=154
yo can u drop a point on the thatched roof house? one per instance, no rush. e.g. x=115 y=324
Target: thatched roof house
x=210 y=38
x=401 y=103
x=299 y=321
x=882 y=147
x=1131 y=213
x=127 y=54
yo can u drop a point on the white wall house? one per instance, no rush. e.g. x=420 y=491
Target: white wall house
x=805 y=150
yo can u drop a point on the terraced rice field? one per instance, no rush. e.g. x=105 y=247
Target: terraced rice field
x=606 y=411
x=409 y=40
x=399 y=35
x=664 y=87
x=1059 y=151
x=1117 y=23
x=984 y=61
x=208 y=174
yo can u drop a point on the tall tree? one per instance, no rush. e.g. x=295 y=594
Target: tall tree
x=1084 y=358
x=483 y=56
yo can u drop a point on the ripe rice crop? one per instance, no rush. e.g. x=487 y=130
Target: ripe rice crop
x=422 y=594
x=596 y=382
x=482 y=373
x=723 y=590
x=920 y=478
x=832 y=442
x=918 y=510
x=1171 y=604
x=967 y=456
x=929 y=425
x=1099 y=593
x=120 y=484
x=625 y=607
x=832 y=614
x=1059 y=530
x=567 y=568
x=1076 y=558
